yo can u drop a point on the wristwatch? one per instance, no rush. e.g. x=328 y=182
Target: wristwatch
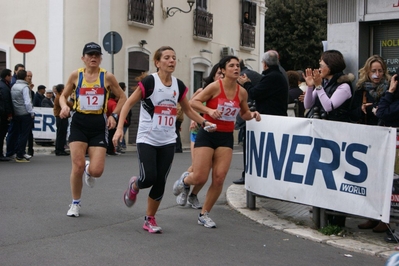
x=319 y=87
x=115 y=116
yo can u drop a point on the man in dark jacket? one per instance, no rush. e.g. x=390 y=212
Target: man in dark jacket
x=271 y=92
x=6 y=103
x=17 y=68
x=39 y=96
x=255 y=77
x=48 y=100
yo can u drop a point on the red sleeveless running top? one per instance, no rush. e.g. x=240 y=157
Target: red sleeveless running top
x=229 y=109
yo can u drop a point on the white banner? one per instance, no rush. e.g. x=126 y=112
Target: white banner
x=338 y=166
x=44 y=126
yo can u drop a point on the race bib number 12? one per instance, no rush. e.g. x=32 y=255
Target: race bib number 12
x=91 y=98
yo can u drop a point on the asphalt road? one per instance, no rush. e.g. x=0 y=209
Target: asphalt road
x=34 y=228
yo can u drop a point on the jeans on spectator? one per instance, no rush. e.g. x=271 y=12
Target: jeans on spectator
x=123 y=142
x=12 y=138
x=23 y=125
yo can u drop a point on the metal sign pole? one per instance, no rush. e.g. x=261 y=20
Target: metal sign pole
x=112 y=43
x=23 y=59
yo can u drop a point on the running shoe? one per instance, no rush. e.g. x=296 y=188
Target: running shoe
x=120 y=150
x=194 y=202
x=12 y=157
x=206 y=221
x=27 y=156
x=89 y=180
x=130 y=195
x=179 y=186
x=150 y=225
x=182 y=198
x=73 y=210
x=21 y=160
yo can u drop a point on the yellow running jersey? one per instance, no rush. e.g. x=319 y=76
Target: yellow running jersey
x=91 y=98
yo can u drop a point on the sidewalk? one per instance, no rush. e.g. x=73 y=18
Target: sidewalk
x=296 y=219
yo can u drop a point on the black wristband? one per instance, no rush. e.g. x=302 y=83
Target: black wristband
x=115 y=116
x=203 y=123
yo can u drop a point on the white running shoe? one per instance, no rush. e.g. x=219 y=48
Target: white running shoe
x=179 y=186
x=89 y=180
x=73 y=210
x=27 y=156
x=206 y=221
x=194 y=202
x=182 y=198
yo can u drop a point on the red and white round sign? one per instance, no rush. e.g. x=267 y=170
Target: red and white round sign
x=24 y=41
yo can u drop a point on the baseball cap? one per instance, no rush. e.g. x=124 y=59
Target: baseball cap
x=41 y=87
x=92 y=47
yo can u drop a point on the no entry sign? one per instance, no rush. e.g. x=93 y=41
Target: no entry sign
x=24 y=41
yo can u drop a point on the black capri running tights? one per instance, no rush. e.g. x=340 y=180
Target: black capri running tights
x=155 y=163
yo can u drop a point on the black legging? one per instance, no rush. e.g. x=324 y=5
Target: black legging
x=155 y=163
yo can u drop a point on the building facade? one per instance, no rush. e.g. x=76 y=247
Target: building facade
x=361 y=28
x=211 y=30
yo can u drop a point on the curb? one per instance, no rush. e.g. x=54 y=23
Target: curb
x=236 y=199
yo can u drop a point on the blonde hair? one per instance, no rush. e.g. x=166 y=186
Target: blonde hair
x=364 y=71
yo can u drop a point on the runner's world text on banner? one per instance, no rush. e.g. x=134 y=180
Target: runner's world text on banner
x=338 y=166
x=44 y=126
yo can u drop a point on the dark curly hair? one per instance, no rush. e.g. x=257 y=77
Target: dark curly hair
x=334 y=60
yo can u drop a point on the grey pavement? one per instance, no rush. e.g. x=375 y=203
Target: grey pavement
x=296 y=219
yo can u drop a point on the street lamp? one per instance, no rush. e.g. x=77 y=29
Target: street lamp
x=171 y=11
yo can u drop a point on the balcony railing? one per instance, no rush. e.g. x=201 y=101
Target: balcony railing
x=203 y=24
x=248 y=36
x=141 y=11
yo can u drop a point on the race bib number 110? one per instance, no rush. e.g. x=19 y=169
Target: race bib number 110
x=164 y=117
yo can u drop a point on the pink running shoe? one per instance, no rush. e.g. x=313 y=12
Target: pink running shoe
x=151 y=225
x=130 y=195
